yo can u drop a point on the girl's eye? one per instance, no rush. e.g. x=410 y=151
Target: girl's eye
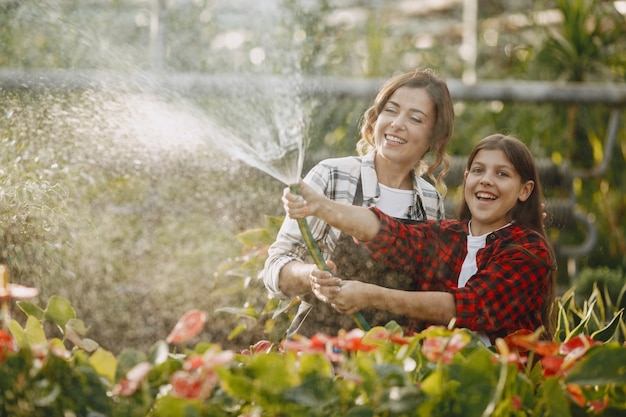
x=416 y=120
x=503 y=173
x=390 y=110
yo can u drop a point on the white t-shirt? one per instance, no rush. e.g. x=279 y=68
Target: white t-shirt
x=469 y=268
x=394 y=202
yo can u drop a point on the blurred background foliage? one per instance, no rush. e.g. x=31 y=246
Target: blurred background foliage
x=110 y=199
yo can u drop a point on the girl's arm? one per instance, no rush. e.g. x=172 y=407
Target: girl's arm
x=348 y=297
x=358 y=222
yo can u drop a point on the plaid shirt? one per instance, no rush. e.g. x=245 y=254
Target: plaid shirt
x=505 y=294
x=337 y=179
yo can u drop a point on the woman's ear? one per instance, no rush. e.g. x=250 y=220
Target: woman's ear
x=526 y=190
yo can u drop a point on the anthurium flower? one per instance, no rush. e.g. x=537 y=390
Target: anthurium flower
x=352 y=341
x=576 y=343
x=320 y=344
x=522 y=340
x=262 y=346
x=18 y=291
x=188 y=326
x=7 y=345
x=189 y=385
x=443 y=348
x=131 y=383
x=551 y=365
x=198 y=377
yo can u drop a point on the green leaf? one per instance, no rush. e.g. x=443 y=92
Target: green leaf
x=237 y=330
x=314 y=392
x=433 y=384
x=75 y=331
x=18 y=334
x=315 y=365
x=608 y=332
x=127 y=359
x=172 y=406
x=59 y=311
x=31 y=309
x=273 y=224
x=602 y=365
x=552 y=400
x=580 y=329
x=34 y=332
x=247 y=312
x=104 y=363
x=282 y=322
x=255 y=237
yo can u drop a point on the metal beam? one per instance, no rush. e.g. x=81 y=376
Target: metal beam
x=610 y=94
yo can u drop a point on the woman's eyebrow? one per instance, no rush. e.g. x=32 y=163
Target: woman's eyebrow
x=414 y=110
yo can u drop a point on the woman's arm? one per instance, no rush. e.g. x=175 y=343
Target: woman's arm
x=358 y=222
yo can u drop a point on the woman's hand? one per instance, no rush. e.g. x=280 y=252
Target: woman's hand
x=324 y=284
x=300 y=206
x=346 y=297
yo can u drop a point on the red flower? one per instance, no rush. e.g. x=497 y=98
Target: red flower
x=598 y=406
x=188 y=326
x=131 y=383
x=262 y=346
x=522 y=340
x=186 y=385
x=353 y=341
x=331 y=346
x=198 y=377
x=443 y=347
x=576 y=393
x=575 y=344
x=7 y=345
x=516 y=402
x=551 y=365
x=398 y=339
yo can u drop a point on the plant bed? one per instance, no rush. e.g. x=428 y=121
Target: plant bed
x=382 y=372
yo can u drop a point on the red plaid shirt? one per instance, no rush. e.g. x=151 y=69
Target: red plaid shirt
x=505 y=294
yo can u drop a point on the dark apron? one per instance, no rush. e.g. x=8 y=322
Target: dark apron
x=353 y=263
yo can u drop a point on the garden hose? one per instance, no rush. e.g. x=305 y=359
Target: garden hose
x=316 y=254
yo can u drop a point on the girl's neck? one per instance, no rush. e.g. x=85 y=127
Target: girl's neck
x=479 y=230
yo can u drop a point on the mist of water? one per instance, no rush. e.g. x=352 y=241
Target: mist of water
x=152 y=177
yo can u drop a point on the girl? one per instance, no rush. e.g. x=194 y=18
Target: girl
x=492 y=271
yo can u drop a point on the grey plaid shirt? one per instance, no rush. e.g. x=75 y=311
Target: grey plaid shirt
x=337 y=178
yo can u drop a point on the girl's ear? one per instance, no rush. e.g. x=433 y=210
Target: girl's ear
x=526 y=190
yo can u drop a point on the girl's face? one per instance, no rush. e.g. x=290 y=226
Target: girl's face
x=492 y=188
x=404 y=126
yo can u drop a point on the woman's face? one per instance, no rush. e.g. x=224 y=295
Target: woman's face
x=404 y=125
x=492 y=188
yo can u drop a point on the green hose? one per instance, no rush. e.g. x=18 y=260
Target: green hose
x=315 y=252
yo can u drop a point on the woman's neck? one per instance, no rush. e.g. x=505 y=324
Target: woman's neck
x=393 y=175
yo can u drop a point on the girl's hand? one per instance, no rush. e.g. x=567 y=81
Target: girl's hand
x=351 y=297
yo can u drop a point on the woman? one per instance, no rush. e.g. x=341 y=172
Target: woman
x=412 y=114
x=492 y=271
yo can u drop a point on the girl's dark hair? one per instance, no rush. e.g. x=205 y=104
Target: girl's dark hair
x=527 y=214
x=442 y=129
